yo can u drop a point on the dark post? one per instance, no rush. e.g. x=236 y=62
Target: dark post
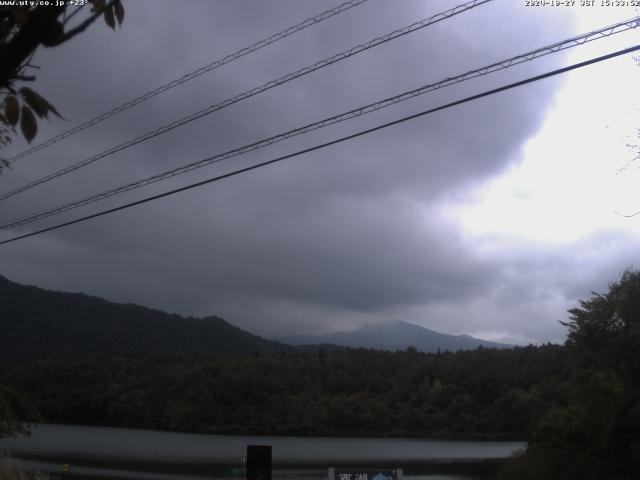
x=258 y=462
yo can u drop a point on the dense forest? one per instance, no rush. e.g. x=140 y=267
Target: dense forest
x=485 y=393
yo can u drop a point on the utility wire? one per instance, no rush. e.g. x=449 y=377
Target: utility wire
x=190 y=76
x=250 y=93
x=555 y=47
x=333 y=142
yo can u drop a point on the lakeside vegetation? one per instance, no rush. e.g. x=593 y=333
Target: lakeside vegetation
x=486 y=393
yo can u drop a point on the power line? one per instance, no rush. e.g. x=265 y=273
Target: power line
x=191 y=75
x=250 y=93
x=531 y=55
x=333 y=142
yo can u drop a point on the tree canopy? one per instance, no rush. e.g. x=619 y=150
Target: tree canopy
x=481 y=394
x=596 y=434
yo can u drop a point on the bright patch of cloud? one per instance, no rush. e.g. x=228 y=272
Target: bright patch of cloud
x=569 y=182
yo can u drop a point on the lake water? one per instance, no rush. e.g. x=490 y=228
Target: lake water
x=146 y=454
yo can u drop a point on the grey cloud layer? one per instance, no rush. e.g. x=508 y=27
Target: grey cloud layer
x=342 y=236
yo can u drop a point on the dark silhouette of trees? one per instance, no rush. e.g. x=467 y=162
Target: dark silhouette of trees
x=481 y=394
x=596 y=433
x=15 y=413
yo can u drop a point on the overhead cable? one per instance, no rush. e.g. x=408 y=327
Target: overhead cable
x=250 y=93
x=327 y=144
x=190 y=76
x=363 y=110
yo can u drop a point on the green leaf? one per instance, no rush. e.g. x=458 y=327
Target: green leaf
x=11 y=109
x=119 y=11
x=38 y=103
x=28 y=123
x=109 y=18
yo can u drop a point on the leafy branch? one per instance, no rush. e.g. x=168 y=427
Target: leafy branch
x=22 y=30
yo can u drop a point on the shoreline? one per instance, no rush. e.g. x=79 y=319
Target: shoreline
x=103 y=468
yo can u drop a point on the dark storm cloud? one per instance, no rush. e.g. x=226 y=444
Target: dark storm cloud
x=339 y=237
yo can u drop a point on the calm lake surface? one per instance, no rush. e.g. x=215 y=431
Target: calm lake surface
x=142 y=454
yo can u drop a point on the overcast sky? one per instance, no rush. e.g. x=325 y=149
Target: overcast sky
x=491 y=218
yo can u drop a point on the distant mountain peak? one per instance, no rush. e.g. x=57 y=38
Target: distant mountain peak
x=394 y=335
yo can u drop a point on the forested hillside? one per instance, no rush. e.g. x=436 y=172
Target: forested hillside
x=84 y=360
x=578 y=404
x=37 y=323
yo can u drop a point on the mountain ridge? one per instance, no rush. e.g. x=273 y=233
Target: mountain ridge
x=397 y=335
x=45 y=324
x=37 y=323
